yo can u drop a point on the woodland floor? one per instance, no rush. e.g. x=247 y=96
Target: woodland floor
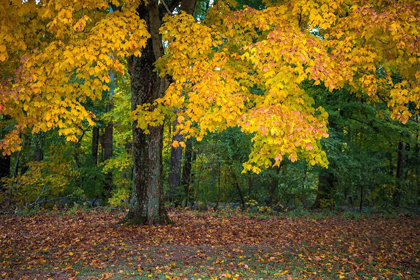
x=91 y=244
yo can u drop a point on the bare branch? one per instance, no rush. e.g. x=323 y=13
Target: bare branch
x=166 y=7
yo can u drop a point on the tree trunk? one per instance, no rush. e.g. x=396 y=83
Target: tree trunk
x=146 y=205
x=417 y=157
x=250 y=185
x=4 y=164
x=108 y=150
x=186 y=170
x=188 y=6
x=15 y=174
x=108 y=141
x=400 y=172
x=39 y=153
x=326 y=178
x=174 y=178
x=77 y=146
x=95 y=143
x=238 y=188
x=219 y=187
x=4 y=168
x=274 y=185
x=25 y=155
x=325 y=189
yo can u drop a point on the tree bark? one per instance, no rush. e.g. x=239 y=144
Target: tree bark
x=219 y=187
x=146 y=204
x=108 y=150
x=186 y=170
x=4 y=168
x=274 y=185
x=325 y=188
x=39 y=153
x=188 y=6
x=396 y=197
x=108 y=141
x=5 y=164
x=174 y=178
x=417 y=157
x=238 y=188
x=77 y=146
x=250 y=185
x=95 y=143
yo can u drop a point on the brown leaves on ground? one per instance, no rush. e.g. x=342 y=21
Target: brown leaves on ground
x=91 y=245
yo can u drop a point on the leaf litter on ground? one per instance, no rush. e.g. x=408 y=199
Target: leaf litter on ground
x=92 y=245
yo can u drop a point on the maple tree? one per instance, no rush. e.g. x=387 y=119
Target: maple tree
x=239 y=67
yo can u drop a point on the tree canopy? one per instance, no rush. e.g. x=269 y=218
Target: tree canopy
x=238 y=67
x=57 y=55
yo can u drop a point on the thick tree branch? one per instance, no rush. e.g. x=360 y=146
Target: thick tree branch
x=154 y=28
x=188 y=6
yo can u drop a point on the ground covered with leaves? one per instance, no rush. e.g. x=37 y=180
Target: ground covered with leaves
x=91 y=244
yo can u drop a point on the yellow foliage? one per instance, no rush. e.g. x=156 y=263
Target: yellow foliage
x=215 y=63
x=42 y=181
x=238 y=67
x=59 y=59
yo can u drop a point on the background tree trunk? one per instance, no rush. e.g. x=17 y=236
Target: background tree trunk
x=238 y=188
x=174 y=178
x=95 y=143
x=186 y=170
x=39 y=153
x=108 y=141
x=396 y=197
x=274 y=185
x=325 y=188
x=108 y=151
x=4 y=168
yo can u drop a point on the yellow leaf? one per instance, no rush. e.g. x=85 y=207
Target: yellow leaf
x=175 y=144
